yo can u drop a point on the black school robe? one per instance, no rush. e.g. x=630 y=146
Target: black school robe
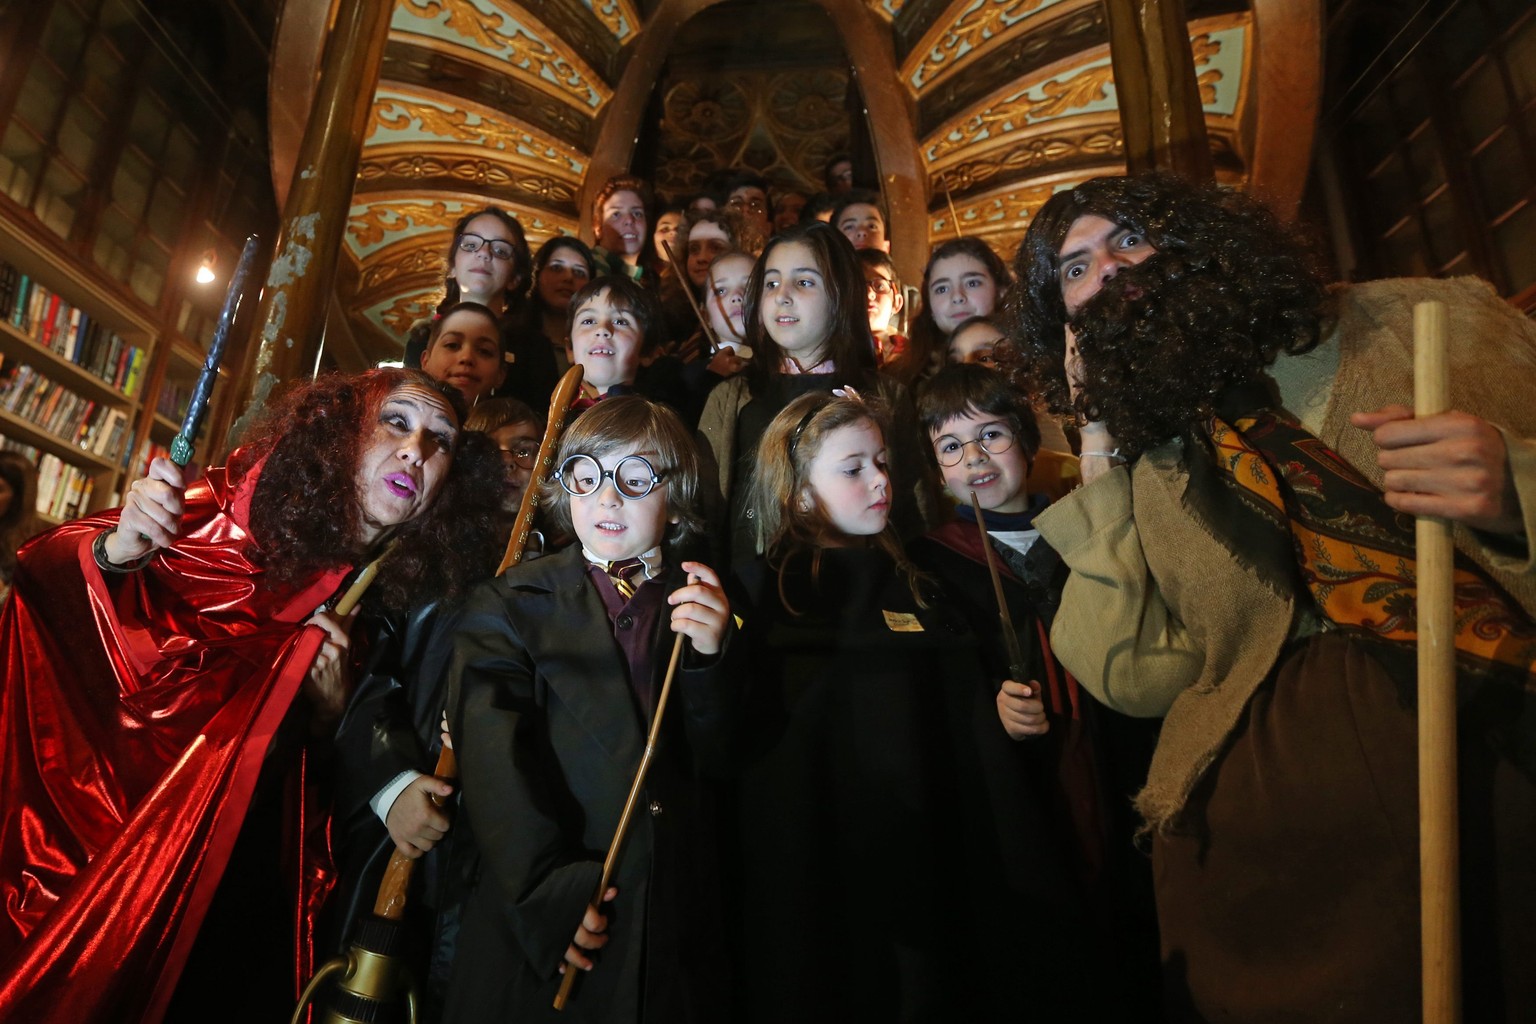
x=549 y=734
x=872 y=881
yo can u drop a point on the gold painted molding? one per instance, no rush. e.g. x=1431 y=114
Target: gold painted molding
x=488 y=131
x=967 y=30
x=513 y=29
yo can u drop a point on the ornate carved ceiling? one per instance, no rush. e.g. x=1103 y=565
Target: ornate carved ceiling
x=496 y=101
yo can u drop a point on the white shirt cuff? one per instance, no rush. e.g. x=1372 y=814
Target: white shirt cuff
x=385 y=798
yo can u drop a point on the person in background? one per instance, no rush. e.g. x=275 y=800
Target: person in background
x=668 y=219
x=860 y=215
x=465 y=350
x=975 y=340
x=747 y=194
x=516 y=430
x=786 y=210
x=561 y=268
x=620 y=215
x=885 y=303
x=838 y=174
x=487 y=263
x=18 y=512
x=964 y=278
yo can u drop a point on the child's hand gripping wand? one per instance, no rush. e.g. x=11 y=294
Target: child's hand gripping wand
x=369 y=975
x=610 y=862
x=682 y=280
x=1017 y=666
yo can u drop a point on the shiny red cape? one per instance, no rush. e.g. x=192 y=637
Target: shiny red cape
x=135 y=715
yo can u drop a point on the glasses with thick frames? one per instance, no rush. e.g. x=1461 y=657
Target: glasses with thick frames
x=499 y=249
x=950 y=450
x=523 y=455
x=633 y=477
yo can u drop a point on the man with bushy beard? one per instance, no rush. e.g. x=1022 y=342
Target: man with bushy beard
x=1242 y=564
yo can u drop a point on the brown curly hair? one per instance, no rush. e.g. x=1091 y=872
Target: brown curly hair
x=305 y=516
x=1227 y=290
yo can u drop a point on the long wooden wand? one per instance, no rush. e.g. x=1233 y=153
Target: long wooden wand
x=698 y=311
x=1439 y=850
x=611 y=861
x=1016 y=663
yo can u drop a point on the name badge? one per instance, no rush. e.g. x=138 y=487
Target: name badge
x=902 y=622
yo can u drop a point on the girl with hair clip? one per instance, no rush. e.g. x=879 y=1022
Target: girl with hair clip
x=487 y=262
x=808 y=329
x=868 y=873
x=964 y=278
x=562 y=267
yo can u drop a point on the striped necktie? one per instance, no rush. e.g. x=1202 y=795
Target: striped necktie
x=624 y=574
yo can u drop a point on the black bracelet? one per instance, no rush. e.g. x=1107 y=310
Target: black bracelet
x=105 y=564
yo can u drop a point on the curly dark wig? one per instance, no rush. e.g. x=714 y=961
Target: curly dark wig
x=305 y=515
x=1227 y=290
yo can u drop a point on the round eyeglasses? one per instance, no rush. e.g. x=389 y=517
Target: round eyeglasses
x=633 y=477
x=950 y=450
x=472 y=243
x=521 y=455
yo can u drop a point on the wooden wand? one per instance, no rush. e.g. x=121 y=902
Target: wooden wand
x=610 y=862
x=1439 y=853
x=682 y=279
x=1016 y=663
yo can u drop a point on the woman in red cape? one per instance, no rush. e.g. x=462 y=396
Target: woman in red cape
x=157 y=671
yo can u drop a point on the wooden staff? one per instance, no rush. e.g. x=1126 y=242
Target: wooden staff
x=397 y=874
x=611 y=861
x=1439 y=853
x=682 y=279
x=954 y=218
x=1016 y=663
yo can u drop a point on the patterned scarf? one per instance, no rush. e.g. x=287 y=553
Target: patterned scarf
x=1355 y=553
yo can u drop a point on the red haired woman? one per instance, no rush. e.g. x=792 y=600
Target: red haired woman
x=167 y=664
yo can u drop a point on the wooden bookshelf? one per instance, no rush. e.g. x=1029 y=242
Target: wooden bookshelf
x=72 y=412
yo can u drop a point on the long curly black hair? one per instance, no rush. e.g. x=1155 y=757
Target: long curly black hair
x=1227 y=290
x=305 y=515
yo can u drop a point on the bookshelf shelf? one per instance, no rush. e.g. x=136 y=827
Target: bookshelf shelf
x=18 y=429
x=17 y=347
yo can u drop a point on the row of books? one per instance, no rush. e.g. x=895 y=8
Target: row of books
x=70 y=331
x=36 y=398
x=63 y=490
x=174 y=399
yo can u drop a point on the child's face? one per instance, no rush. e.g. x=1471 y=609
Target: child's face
x=786 y=212
x=796 y=306
x=960 y=287
x=706 y=240
x=519 y=444
x=606 y=340
x=466 y=354
x=726 y=297
x=884 y=298
x=864 y=226
x=848 y=479
x=975 y=344
x=998 y=477
x=611 y=526
x=622 y=227
x=666 y=230
x=564 y=275
x=483 y=276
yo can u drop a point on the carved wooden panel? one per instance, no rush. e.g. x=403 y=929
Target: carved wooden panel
x=782 y=124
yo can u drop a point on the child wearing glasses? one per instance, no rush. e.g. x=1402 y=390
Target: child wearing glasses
x=1060 y=768
x=553 y=679
x=488 y=263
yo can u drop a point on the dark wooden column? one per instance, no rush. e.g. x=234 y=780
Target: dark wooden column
x=1160 y=112
x=291 y=315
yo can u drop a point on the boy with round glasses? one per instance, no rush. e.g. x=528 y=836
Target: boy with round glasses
x=1060 y=767
x=555 y=673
